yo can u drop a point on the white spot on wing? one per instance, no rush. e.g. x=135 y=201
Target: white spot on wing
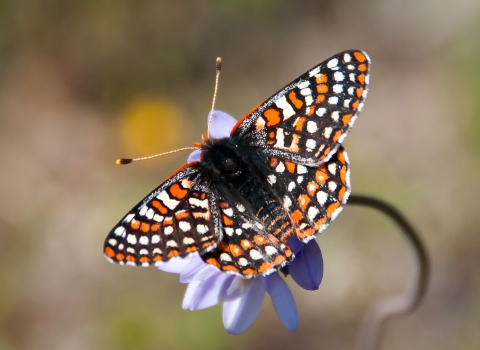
x=155 y=239
x=188 y=240
x=184 y=226
x=332 y=63
x=169 y=202
x=255 y=254
x=119 y=231
x=285 y=106
x=112 y=242
x=338 y=76
x=314 y=71
x=270 y=250
x=333 y=100
x=280 y=139
x=168 y=230
x=347 y=58
x=129 y=218
x=311 y=143
x=322 y=197
x=337 y=88
x=143 y=211
x=143 y=240
x=301 y=169
x=303 y=84
x=132 y=239
x=150 y=213
x=202 y=229
x=225 y=257
x=272 y=179
x=332 y=186
x=311 y=126
x=327 y=132
x=280 y=168
x=198 y=203
x=312 y=212
x=332 y=168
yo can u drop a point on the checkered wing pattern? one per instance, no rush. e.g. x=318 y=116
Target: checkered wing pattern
x=314 y=196
x=308 y=119
x=178 y=218
x=248 y=248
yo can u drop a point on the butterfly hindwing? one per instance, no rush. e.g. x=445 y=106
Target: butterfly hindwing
x=178 y=218
x=308 y=119
x=247 y=248
x=314 y=196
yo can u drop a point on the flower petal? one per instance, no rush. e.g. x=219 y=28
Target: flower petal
x=295 y=244
x=202 y=294
x=242 y=307
x=307 y=267
x=176 y=265
x=282 y=300
x=221 y=124
x=194 y=156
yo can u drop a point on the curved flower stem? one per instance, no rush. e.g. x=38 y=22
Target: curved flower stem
x=384 y=309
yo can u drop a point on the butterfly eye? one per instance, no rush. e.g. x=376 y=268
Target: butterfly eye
x=229 y=164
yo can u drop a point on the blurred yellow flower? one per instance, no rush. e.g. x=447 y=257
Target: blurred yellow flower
x=150 y=126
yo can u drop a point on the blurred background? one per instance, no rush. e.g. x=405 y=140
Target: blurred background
x=85 y=82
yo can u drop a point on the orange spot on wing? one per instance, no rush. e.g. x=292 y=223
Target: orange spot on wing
x=168 y=221
x=120 y=256
x=279 y=260
x=359 y=92
x=331 y=208
x=343 y=174
x=321 y=177
x=272 y=116
x=265 y=267
x=227 y=221
x=337 y=135
x=359 y=56
x=249 y=271
x=213 y=261
x=290 y=166
x=361 y=79
x=312 y=188
x=177 y=191
x=296 y=216
x=341 y=193
x=135 y=224
x=246 y=244
x=346 y=119
x=300 y=122
x=273 y=162
x=203 y=196
x=191 y=249
x=182 y=215
x=145 y=227
x=288 y=253
x=355 y=105
x=230 y=268
x=322 y=88
x=173 y=253
x=260 y=240
x=131 y=258
x=341 y=156
x=320 y=222
x=362 y=67
x=303 y=201
x=159 y=206
x=322 y=78
x=158 y=258
x=109 y=252
x=294 y=99
x=155 y=227
x=235 y=250
x=320 y=99
x=144 y=259
x=305 y=233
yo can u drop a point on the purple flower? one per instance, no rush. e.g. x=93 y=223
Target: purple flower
x=242 y=298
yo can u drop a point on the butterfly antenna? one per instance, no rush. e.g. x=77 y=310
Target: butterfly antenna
x=218 y=65
x=121 y=161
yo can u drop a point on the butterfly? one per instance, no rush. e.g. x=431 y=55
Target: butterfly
x=282 y=172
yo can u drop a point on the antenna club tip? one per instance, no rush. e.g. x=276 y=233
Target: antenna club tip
x=121 y=161
x=218 y=63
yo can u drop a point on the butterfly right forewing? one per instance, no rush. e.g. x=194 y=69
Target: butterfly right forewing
x=308 y=119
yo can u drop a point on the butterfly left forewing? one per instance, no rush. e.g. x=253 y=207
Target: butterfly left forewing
x=175 y=220
x=308 y=119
